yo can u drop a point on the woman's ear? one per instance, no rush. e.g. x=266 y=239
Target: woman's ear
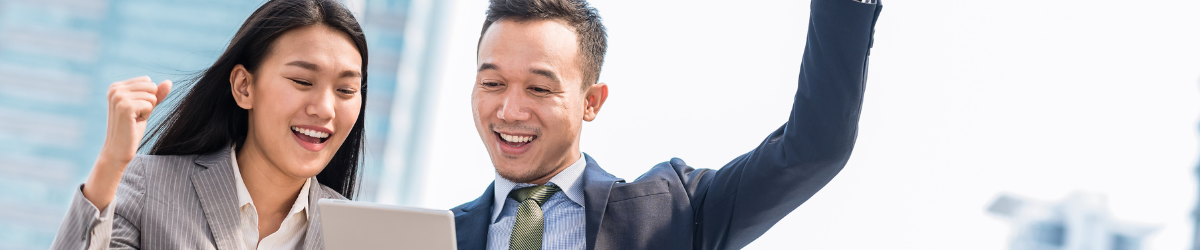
x=239 y=84
x=594 y=99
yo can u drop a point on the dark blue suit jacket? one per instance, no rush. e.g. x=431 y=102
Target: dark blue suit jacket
x=675 y=206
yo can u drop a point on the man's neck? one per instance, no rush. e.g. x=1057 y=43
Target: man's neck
x=562 y=165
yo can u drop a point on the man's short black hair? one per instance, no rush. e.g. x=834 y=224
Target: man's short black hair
x=576 y=13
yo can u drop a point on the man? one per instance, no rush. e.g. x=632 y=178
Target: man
x=538 y=65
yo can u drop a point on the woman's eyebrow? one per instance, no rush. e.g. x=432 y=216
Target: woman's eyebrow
x=350 y=74
x=303 y=64
x=314 y=67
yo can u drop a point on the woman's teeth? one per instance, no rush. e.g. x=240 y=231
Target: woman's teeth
x=515 y=138
x=309 y=132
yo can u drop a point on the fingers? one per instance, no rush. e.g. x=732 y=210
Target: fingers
x=136 y=97
x=141 y=84
x=164 y=88
x=140 y=104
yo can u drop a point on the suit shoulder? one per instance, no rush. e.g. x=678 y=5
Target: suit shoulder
x=327 y=192
x=463 y=208
x=162 y=164
x=483 y=202
x=459 y=208
x=151 y=178
x=144 y=169
x=676 y=168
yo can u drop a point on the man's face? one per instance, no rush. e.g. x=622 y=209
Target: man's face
x=527 y=100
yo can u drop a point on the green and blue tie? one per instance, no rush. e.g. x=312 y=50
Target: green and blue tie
x=527 y=230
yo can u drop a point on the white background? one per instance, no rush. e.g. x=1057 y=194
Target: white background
x=965 y=100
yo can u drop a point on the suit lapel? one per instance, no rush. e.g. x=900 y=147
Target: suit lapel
x=596 y=186
x=218 y=197
x=472 y=224
x=313 y=238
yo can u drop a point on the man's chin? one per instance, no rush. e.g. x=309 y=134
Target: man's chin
x=517 y=175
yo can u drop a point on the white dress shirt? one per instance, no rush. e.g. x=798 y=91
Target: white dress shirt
x=289 y=236
x=563 y=212
x=291 y=231
x=568 y=181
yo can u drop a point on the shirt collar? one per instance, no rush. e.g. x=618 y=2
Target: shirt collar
x=568 y=180
x=244 y=195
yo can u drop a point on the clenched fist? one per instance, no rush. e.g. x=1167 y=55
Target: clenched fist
x=129 y=105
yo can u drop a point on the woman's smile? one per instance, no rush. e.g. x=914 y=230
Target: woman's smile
x=311 y=137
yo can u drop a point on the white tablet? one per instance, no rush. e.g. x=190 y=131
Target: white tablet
x=364 y=225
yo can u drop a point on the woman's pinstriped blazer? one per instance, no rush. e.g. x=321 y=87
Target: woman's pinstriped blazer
x=176 y=202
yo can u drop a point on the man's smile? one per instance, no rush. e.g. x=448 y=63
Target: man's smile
x=514 y=143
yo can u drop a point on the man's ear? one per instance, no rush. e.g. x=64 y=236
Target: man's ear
x=239 y=84
x=596 y=94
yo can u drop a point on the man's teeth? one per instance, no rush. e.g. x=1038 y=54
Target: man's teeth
x=309 y=132
x=516 y=138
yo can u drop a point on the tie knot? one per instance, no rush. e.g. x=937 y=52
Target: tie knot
x=539 y=194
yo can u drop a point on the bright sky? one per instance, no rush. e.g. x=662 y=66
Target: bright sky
x=965 y=100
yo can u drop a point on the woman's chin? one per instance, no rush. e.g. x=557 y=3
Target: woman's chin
x=304 y=171
x=301 y=167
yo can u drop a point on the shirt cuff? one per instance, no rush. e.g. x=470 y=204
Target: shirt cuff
x=102 y=230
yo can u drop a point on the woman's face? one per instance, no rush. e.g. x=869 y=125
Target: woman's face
x=303 y=99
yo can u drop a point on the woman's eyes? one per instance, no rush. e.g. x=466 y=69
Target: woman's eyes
x=348 y=91
x=301 y=82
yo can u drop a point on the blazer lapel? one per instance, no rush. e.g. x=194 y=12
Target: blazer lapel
x=218 y=197
x=596 y=186
x=313 y=238
x=472 y=224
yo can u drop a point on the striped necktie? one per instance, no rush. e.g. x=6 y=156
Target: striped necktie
x=527 y=230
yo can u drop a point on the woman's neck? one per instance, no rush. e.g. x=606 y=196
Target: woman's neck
x=272 y=190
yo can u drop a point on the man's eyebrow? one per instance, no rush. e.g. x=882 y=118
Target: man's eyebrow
x=303 y=64
x=546 y=73
x=542 y=72
x=487 y=66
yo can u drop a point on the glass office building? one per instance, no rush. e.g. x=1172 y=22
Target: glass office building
x=57 y=58
x=1080 y=221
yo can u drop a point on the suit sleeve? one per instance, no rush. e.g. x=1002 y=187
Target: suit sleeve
x=86 y=227
x=738 y=203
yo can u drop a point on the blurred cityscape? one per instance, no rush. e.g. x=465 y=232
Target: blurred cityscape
x=57 y=58
x=1079 y=222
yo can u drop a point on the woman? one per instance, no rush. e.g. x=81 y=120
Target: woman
x=275 y=124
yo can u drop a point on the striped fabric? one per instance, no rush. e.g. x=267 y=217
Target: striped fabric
x=291 y=230
x=564 y=226
x=527 y=230
x=562 y=215
x=176 y=202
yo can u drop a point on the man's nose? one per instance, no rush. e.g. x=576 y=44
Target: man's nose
x=513 y=107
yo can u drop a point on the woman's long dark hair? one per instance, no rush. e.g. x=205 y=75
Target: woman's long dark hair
x=207 y=119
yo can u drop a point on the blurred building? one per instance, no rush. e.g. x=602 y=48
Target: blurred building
x=1196 y=221
x=57 y=58
x=1079 y=222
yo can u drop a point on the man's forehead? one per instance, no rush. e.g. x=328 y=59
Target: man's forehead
x=531 y=37
x=529 y=45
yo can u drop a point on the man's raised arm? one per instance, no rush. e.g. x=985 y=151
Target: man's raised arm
x=753 y=192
